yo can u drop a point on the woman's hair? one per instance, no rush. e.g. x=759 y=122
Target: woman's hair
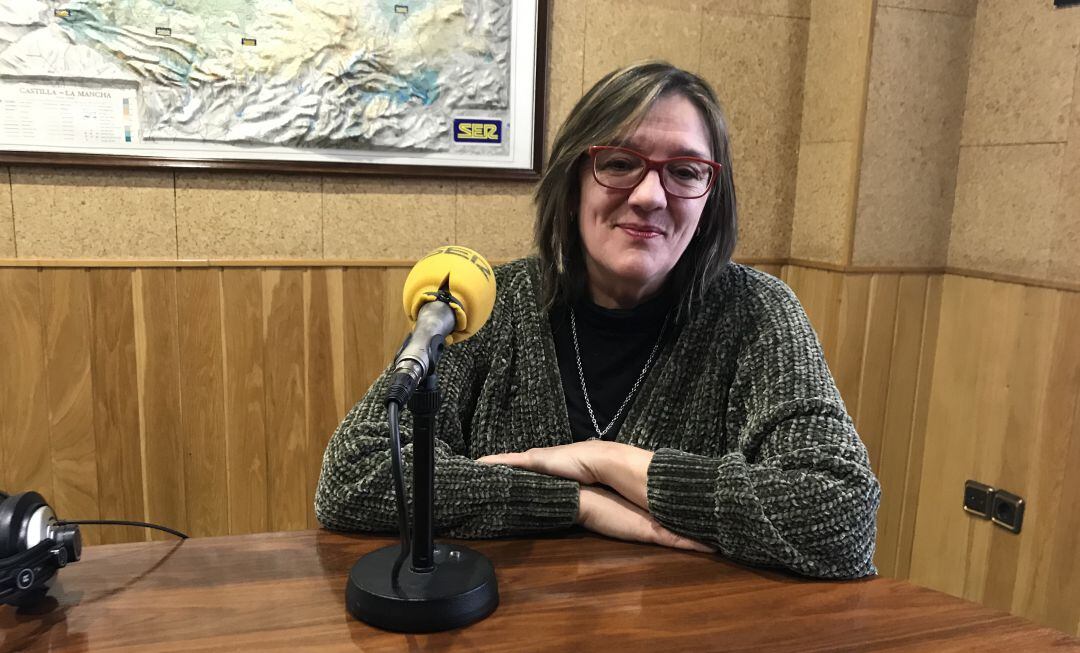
x=607 y=114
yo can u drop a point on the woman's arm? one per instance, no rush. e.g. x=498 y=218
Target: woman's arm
x=797 y=489
x=608 y=513
x=355 y=491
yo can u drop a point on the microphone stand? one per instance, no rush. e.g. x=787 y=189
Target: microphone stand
x=447 y=585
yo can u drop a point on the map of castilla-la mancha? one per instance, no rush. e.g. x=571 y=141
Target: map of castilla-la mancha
x=349 y=74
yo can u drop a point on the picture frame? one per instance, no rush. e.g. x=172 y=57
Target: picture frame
x=465 y=107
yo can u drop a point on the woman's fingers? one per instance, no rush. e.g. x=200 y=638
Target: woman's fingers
x=666 y=538
x=572 y=461
x=512 y=459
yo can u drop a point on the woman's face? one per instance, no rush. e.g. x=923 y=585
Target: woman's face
x=633 y=238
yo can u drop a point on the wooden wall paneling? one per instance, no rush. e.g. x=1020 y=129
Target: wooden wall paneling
x=827 y=291
x=1050 y=517
x=1057 y=575
x=202 y=400
x=940 y=542
x=24 y=426
x=335 y=292
x=65 y=308
x=998 y=330
x=286 y=422
x=324 y=376
x=1027 y=361
x=245 y=399
x=158 y=360
x=917 y=440
x=396 y=323
x=902 y=384
x=793 y=277
x=775 y=270
x=363 y=306
x=116 y=403
x=819 y=293
x=846 y=365
x=877 y=359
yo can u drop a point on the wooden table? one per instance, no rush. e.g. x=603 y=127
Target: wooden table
x=285 y=592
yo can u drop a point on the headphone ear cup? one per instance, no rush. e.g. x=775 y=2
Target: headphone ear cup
x=14 y=511
x=7 y=507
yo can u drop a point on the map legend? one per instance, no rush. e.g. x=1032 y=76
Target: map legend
x=64 y=114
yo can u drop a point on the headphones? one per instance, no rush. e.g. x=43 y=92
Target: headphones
x=34 y=545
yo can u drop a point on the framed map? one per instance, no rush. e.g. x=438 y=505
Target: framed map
x=439 y=87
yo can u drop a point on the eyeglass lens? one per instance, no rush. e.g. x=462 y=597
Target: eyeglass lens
x=684 y=178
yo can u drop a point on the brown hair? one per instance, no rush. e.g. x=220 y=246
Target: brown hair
x=609 y=112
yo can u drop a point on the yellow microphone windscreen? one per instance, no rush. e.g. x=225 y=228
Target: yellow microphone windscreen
x=465 y=274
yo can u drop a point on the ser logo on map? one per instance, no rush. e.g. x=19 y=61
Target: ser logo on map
x=477 y=130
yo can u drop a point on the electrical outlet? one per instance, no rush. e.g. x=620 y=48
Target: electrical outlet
x=978 y=499
x=1008 y=511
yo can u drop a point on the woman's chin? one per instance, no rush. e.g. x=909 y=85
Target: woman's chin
x=641 y=273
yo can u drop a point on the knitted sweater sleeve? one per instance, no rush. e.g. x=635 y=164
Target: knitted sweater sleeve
x=356 y=491
x=797 y=490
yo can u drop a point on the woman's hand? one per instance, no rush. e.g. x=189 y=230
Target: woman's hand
x=609 y=514
x=583 y=462
x=621 y=467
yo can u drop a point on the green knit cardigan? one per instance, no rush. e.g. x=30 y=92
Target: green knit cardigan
x=754 y=451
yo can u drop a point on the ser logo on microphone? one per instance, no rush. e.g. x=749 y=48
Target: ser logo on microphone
x=468 y=255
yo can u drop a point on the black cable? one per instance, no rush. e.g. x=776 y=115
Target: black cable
x=117 y=522
x=393 y=413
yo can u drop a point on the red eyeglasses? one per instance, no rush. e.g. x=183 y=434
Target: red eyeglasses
x=619 y=168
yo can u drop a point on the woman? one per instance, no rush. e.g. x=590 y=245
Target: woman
x=631 y=379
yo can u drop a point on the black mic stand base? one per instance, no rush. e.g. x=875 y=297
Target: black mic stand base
x=458 y=591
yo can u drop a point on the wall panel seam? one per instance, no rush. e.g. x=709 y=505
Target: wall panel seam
x=764 y=14
x=183 y=434
x=924 y=10
x=860 y=137
x=922 y=376
x=971 y=145
x=827 y=141
x=885 y=432
x=701 y=38
x=138 y=309
x=264 y=322
x=584 y=44
x=44 y=335
x=225 y=399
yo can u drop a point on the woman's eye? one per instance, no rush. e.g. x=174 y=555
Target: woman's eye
x=687 y=172
x=619 y=165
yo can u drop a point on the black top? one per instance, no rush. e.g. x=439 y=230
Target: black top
x=615 y=345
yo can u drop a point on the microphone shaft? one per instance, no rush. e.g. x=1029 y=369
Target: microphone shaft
x=421 y=350
x=424 y=404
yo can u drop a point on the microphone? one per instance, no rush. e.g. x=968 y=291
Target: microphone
x=448 y=296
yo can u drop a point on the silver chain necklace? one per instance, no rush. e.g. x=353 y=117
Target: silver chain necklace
x=633 y=390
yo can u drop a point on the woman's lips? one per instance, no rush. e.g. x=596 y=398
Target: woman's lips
x=643 y=232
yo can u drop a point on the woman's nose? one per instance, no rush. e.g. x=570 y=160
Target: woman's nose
x=649 y=195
